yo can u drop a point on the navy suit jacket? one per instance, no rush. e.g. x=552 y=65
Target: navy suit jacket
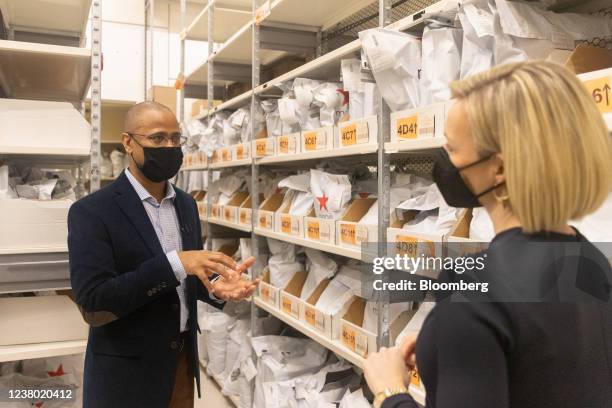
x=126 y=290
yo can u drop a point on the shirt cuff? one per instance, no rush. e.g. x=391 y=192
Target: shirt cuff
x=212 y=296
x=177 y=265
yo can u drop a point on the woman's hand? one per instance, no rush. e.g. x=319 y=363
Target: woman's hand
x=408 y=348
x=386 y=369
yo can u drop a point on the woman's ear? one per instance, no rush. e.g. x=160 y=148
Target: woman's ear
x=500 y=176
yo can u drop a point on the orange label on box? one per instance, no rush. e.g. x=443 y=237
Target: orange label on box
x=348 y=135
x=226 y=155
x=310 y=140
x=227 y=214
x=286 y=224
x=284 y=144
x=415 y=379
x=214 y=212
x=260 y=145
x=348 y=233
x=601 y=90
x=310 y=313
x=240 y=152
x=265 y=292
x=406 y=245
x=314 y=230
x=290 y=307
x=265 y=221
x=244 y=217
x=348 y=337
x=407 y=128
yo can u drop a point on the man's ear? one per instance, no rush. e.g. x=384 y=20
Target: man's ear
x=126 y=140
x=500 y=175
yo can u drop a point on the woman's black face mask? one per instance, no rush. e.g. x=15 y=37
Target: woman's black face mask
x=453 y=188
x=160 y=163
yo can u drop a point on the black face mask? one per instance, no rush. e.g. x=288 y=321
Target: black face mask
x=160 y=163
x=452 y=186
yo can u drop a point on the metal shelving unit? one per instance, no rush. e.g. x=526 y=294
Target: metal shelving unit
x=43 y=60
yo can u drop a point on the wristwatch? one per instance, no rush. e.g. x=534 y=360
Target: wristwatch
x=386 y=393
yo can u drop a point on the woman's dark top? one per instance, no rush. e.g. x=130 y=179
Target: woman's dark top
x=517 y=354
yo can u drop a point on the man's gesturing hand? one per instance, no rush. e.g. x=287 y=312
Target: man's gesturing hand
x=234 y=288
x=203 y=264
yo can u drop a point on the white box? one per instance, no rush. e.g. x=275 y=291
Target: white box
x=317 y=139
x=319 y=229
x=351 y=234
x=216 y=211
x=288 y=144
x=241 y=151
x=423 y=122
x=357 y=132
x=230 y=210
x=264 y=147
x=30 y=226
x=266 y=213
x=268 y=293
x=324 y=323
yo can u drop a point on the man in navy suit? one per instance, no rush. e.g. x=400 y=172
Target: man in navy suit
x=137 y=269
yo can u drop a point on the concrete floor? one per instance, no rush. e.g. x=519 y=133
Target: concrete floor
x=211 y=394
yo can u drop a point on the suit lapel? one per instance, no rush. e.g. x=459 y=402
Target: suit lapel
x=132 y=207
x=185 y=221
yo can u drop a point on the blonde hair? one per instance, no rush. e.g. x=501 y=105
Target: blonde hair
x=555 y=145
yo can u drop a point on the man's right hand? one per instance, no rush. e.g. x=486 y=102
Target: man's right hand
x=204 y=264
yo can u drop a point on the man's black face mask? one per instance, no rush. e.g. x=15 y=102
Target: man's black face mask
x=160 y=163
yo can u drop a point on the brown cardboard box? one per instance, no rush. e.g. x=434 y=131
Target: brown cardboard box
x=166 y=95
x=290 y=302
x=586 y=59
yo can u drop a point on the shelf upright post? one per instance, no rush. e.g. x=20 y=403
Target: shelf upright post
x=384 y=185
x=255 y=78
x=181 y=76
x=96 y=92
x=210 y=90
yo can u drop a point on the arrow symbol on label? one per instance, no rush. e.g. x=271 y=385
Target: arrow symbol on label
x=606 y=88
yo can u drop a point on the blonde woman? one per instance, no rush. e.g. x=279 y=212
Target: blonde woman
x=527 y=142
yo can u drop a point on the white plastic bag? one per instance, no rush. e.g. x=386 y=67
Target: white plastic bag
x=354 y=400
x=441 y=62
x=319 y=267
x=274 y=124
x=6 y=191
x=332 y=193
x=299 y=193
x=216 y=340
x=395 y=60
x=478 y=37
x=283 y=262
x=330 y=100
x=346 y=284
x=481 y=227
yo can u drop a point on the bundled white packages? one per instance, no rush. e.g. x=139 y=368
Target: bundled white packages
x=259 y=119
x=299 y=193
x=351 y=81
x=370 y=316
x=37 y=189
x=332 y=193
x=478 y=37
x=307 y=112
x=288 y=111
x=441 y=62
x=319 y=267
x=215 y=326
x=330 y=100
x=314 y=391
x=416 y=322
x=395 y=60
x=402 y=188
x=6 y=191
x=481 y=226
x=283 y=358
x=283 y=262
x=274 y=124
x=233 y=125
x=195 y=130
x=212 y=138
x=346 y=284
x=354 y=400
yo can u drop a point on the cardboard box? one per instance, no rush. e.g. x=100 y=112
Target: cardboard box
x=230 y=210
x=288 y=144
x=357 y=132
x=458 y=242
x=287 y=223
x=423 y=122
x=264 y=147
x=349 y=232
x=216 y=156
x=290 y=301
x=324 y=323
x=317 y=139
x=268 y=293
x=319 y=229
x=265 y=214
x=226 y=154
x=241 y=151
x=245 y=212
x=166 y=95
x=359 y=340
x=215 y=211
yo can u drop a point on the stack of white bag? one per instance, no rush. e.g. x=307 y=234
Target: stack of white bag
x=481 y=227
x=319 y=267
x=345 y=285
x=212 y=138
x=233 y=126
x=274 y=125
x=283 y=263
x=50 y=372
x=281 y=359
x=332 y=193
x=222 y=190
x=395 y=61
x=298 y=195
x=194 y=130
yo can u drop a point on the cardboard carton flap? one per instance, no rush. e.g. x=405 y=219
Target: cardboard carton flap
x=229 y=249
x=357 y=209
x=265 y=275
x=356 y=311
x=587 y=59
x=238 y=198
x=462 y=225
x=314 y=297
x=295 y=285
x=273 y=202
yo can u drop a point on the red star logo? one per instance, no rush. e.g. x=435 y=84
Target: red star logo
x=364 y=195
x=57 y=373
x=323 y=202
x=39 y=404
x=346 y=96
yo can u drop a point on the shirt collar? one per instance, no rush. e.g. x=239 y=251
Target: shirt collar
x=142 y=192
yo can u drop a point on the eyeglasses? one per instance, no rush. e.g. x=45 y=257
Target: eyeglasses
x=160 y=138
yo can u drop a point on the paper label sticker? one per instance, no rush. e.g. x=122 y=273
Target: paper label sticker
x=348 y=234
x=264 y=292
x=407 y=128
x=290 y=307
x=348 y=337
x=310 y=141
x=240 y=152
x=286 y=224
x=265 y=220
x=310 y=314
x=314 y=230
x=245 y=216
x=284 y=144
x=415 y=379
x=355 y=133
x=361 y=234
x=261 y=147
x=406 y=245
x=226 y=155
x=600 y=88
x=427 y=124
x=361 y=344
x=214 y=212
x=228 y=213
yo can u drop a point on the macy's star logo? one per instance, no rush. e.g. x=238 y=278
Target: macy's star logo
x=323 y=202
x=57 y=373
